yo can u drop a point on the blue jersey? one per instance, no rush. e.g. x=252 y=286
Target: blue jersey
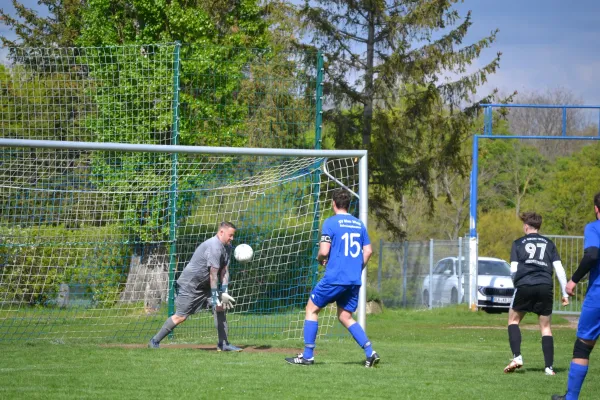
x=591 y=238
x=347 y=236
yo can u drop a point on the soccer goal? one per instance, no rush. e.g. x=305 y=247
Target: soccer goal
x=93 y=235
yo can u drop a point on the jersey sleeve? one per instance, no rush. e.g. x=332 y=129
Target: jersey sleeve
x=591 y=238
x=212 y=258
x=513 y=253
x=327 y=232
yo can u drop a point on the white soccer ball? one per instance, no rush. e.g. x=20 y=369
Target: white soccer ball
x=243 y=253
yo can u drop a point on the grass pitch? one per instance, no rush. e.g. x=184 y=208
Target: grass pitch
x=440 y=354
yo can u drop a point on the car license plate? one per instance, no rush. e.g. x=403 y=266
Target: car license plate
x=503 y=300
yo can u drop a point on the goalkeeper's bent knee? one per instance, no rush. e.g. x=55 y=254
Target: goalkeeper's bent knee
x=582 y=350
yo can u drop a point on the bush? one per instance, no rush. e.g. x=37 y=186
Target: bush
x=35 y=261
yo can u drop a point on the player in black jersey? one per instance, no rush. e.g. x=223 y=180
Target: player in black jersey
x=532 y=260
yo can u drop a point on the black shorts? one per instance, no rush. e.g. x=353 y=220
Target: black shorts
x=537 y=299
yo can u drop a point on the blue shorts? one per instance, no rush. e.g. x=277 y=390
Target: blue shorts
x=345 y=296
x=589 y=323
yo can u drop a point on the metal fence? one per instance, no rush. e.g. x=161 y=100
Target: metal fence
x=570 y=249
x=435 y=273
x=430 y=273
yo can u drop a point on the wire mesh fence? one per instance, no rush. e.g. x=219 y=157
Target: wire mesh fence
x=435 y=273
x=162 y=93
x=430 y=274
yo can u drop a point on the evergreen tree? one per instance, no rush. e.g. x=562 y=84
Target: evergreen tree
x=391 y=62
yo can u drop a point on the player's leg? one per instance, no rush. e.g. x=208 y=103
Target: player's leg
x=543 y=308
x=220 y=318
x=166 y=329
x=185 y=305
x=588 y=331
x=514 y=339
x=320 y=296
x=547 y=343
x=347 y=303
x=311 y=328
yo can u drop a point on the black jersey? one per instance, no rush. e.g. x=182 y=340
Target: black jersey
x=535 y=255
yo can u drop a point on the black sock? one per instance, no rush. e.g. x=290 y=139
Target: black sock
x=548 y=349
x=514 y=338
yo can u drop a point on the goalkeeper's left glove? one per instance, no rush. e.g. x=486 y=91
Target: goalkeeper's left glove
x=226 y=300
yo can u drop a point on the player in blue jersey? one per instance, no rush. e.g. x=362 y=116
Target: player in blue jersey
x=344 y=249
x=588 y=330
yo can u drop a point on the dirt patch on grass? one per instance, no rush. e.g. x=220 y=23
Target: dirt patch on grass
x=573 y=321
x=207 y=347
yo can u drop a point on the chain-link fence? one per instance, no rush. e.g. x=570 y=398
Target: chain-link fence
x=570 y=249
x=423 y=274
x=435 y=273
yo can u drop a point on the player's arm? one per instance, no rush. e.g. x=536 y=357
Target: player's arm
x=514 y=261
x=225 y=278
x=226 y=299
x=588 y=261
x=325 y=243
x=324 y=248
x=367 y=252
x=214 y=285
x=562 y=279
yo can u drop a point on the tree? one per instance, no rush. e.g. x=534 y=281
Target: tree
x=387 y=59
x=60 y=28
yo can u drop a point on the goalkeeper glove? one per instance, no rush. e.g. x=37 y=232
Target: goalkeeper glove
x=226 y=299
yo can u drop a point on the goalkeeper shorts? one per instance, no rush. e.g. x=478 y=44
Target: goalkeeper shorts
x=187 y=304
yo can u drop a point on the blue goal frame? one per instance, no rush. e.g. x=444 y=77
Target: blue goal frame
x=489 y=134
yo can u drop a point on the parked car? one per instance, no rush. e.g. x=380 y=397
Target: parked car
x=494 y=284
x=446 y=285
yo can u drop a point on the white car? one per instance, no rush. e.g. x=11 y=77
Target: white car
x=495 y=287
x=448 y=280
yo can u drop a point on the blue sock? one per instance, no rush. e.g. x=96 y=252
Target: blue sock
x=360 y=336
x=576 y=377
x=310 y=337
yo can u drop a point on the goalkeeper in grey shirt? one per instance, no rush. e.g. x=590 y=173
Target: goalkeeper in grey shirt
x=199 y=287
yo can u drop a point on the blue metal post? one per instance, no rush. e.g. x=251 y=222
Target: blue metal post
x=487 y=124
x=564 y=122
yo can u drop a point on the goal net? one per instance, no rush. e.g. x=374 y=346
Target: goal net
x=91 y=240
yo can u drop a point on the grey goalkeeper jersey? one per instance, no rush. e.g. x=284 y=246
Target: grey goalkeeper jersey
x=196 y=275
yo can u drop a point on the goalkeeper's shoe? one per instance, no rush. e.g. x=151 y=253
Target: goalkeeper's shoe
x=372 y=361
x=300 y=360
x=153 y=344
x=514 y=365
x=559 y=397
x=549 y=371
x=228 y=347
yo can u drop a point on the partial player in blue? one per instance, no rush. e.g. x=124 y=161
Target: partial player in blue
x=344 y=249
x=588 y=330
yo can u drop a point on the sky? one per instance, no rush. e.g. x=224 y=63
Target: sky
x=545 y=44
